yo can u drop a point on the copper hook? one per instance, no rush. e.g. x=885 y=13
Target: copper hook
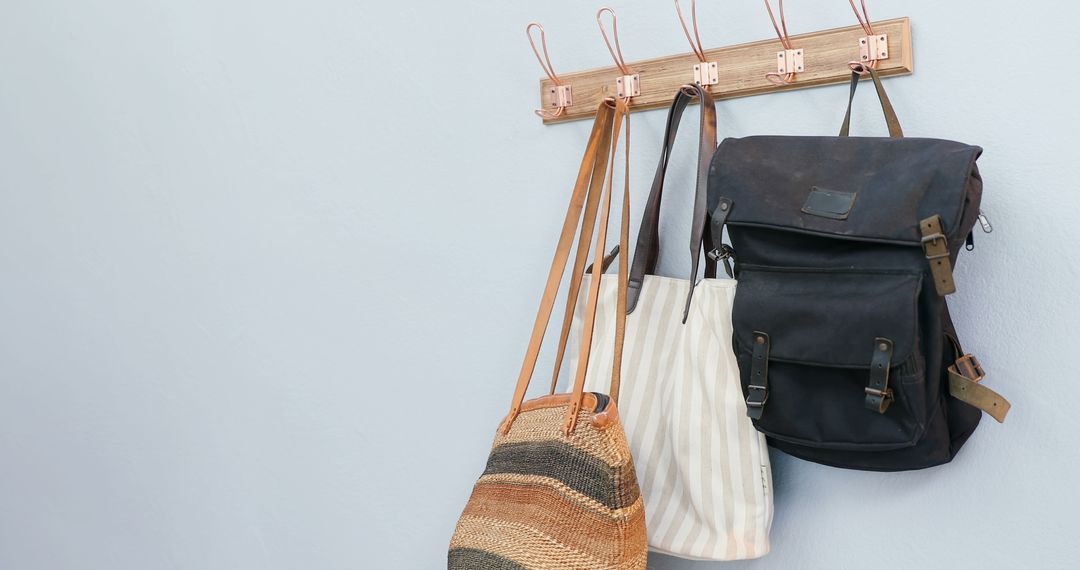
x=706 y=73
x=545 y=63
x=785 y=41
x=616 y=52
x=628 y=85
x=783 y=24
x=864 y=18
x=868 y=28
x=695 y=40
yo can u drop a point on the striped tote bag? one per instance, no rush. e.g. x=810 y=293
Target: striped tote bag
x=702 y=468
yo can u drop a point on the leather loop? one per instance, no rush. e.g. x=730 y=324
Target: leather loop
x=878 y=393
x=886 y=106
x=647 y=251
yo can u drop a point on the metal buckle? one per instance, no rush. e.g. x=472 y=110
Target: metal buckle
x=885 y=395
x=929 y=241
x=721 y=253
x=886 y=398
x=970 y=368
x=753 y=403
x=932 y=238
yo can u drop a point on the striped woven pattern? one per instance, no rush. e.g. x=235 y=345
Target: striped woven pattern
x=702 y=467
x=550 y=502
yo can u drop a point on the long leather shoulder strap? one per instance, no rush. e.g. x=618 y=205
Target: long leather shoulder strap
x=596 y=185
x=622 y=114
x=604 y=116
x=624 y=273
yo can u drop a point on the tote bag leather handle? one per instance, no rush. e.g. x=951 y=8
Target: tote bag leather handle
x=886 y=106
x=648 y=241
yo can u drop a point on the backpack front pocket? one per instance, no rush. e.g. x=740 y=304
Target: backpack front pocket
x=830 y=358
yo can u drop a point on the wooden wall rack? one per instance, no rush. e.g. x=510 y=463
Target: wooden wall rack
x=741 y=69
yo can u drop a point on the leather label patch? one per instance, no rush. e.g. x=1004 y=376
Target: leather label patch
x=832 y=204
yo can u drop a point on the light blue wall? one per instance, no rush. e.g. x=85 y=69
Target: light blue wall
x=269 y=268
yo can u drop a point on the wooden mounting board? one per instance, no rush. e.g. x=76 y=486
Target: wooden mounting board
x=742 y=69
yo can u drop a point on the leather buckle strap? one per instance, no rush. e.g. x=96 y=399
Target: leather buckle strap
x=936 y=248
x=719 y=217
x=758 y=389
x=878 y=393
x=965 y=377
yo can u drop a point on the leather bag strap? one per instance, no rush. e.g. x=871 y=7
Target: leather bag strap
x=596 y=186
x=622 y=297
x=602 y=123
x=886 y=106
x=622 y=115
x=647 y=251
x=588 y=197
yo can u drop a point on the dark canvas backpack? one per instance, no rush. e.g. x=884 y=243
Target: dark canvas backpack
x=844 y=249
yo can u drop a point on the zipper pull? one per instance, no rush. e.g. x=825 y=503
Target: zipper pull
x=985 y=223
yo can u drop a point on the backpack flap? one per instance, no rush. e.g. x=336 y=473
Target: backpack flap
x=873 y=189
x=814 y=382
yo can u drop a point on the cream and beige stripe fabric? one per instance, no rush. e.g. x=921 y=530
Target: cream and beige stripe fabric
x=702 y=467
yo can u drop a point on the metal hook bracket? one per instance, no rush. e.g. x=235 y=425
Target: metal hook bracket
x=628 y=86
x=707 y=73
x=561 y=96
x=789 y=61
x=873 y=48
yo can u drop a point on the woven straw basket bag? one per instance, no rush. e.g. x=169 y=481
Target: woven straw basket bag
x=559 y=491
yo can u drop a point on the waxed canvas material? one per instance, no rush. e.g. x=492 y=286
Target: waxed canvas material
x=896 y=182
x=824 y=288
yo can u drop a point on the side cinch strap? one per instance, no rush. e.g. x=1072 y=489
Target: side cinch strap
x=965 y=377
x=759 y=377
x=937 y=254
x=878 y=393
